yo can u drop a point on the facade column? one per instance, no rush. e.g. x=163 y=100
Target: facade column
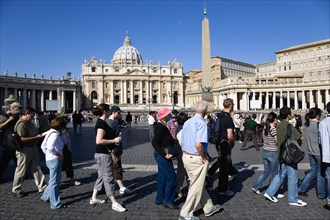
x=159 y=93
x=42 y=100
x=112 y=94
x=296 y=106
x=132 y=92
x=281 y=99
x=303 y=100
x=181 y=102
x=101 y=91
x=121 y=92
x=125 y=91
x=148 y=96
x=234 y=97
x=266 y=100
x=288 y=99
x=141 y=92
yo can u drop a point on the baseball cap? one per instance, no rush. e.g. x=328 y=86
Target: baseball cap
x=115 y=108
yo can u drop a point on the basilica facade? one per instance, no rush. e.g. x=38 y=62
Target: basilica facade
x=131 y=82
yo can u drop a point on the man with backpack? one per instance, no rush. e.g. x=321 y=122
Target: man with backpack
x=7 y=123
x=224 y=129
x=291 y=170
x=27 y=155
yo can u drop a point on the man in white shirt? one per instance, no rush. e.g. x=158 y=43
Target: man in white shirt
x=324 y=134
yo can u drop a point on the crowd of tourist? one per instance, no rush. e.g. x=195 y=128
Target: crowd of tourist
x=173 y=135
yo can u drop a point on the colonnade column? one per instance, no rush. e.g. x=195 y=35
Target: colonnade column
x=296 y=106
x=50 y=95
x=319 y=100
x=33 y=97
x=24 y=98
x=288 y=99
x=274 y=100
x=311 y=104
x=42 y=97
x=6 y=93
x=266 y=100
x=303 y=100
x=327 y=96
x=62 y=101
x=74 y=97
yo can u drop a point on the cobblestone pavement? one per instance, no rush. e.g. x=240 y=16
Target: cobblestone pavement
x=140 y=174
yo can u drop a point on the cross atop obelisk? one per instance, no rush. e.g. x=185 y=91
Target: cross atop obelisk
x=206 y=60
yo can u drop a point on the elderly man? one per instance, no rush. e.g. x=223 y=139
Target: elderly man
x=7 y=123
x=28 y=156
x=194 y=148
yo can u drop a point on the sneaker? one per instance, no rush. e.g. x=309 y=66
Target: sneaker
x=19 y=193
x=125 y=191
x=117 y=207
x=215 y=209
x=327 y=202
x=270 y=198
x=188 y=218
x=75 y=183
x=231 y=177
x=300 y=193
x=96 y=201
x=280 y=196
x=298 y=203
x=256 y=191
x=226 y=193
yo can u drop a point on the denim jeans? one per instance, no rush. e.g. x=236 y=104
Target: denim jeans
x=327 y=174
x=270 y=159
x=292 y=172
x=315 y=171
x=52 y=191
x=166 y=180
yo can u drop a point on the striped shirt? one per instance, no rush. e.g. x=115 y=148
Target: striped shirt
x=269 y=141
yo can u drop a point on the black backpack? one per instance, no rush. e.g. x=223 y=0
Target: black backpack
x=215 y=131
x=12 y=139
x=291 y=152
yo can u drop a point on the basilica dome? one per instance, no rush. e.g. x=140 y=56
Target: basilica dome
x=127 y=54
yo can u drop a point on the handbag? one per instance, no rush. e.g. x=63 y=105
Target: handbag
x=174 y=150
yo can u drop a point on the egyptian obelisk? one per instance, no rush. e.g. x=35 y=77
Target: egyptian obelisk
x=206 y=62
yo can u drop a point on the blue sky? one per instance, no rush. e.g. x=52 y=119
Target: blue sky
x=55 y=37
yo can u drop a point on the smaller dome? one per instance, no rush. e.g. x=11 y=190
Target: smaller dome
x=127 y=54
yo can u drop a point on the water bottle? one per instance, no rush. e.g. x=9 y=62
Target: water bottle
x=119 y=135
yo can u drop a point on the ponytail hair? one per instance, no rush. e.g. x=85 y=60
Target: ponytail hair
x=313 y=113
x=99 y=110
x=271 y=117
